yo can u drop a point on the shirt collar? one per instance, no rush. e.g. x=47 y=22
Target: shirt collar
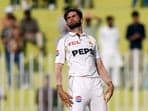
x=72 y=34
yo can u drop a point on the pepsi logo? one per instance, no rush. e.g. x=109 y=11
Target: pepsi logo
x=78 y=99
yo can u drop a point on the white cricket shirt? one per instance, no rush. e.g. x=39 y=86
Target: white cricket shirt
x=80 y=52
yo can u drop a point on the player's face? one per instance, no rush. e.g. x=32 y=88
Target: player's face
x=73 y=20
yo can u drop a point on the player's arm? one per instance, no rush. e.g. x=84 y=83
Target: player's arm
x=104 y=75
x=58 y=72
x=60 y=59
x=65 y=97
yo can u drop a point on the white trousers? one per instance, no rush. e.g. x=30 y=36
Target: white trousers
x=87 y=93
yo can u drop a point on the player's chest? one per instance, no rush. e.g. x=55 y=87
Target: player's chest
x=79 y=46
x=76 y=43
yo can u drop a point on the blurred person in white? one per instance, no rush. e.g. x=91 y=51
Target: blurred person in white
x=108 y=39
x=91 y=23
x=12 y=41
x=31 y=32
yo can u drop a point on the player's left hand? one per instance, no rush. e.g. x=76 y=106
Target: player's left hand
x=109 y=91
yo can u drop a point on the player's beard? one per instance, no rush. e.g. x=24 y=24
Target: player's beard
x=73 y=26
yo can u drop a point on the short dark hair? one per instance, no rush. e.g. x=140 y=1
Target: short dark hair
x=27 y=12
x=135 y=14
x=79 y=12
x=108 y=18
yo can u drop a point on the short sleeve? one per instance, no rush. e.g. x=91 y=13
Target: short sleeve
x=60 y=52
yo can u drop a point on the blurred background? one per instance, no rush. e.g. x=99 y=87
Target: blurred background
x=30 y=29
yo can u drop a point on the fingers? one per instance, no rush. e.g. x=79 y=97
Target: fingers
x=69 y=96
x=68 y=102
x=108 y=94
x=107 y=97
x=66 y=99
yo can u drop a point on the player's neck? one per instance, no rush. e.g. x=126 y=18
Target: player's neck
x=77 y=30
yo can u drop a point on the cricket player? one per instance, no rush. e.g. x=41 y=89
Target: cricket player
x=86 y=68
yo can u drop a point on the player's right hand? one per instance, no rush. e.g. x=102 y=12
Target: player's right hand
x=109 y=91
x=65 y=97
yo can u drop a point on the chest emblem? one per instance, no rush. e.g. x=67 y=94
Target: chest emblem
x=71 y=43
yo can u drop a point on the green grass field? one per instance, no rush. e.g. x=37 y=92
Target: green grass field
x=48 y=20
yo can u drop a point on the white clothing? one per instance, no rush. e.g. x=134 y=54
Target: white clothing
x=108 y=39
x=85 y=85
x=2 y=93
x=9 y=9
x=80 y=52
x=87 y=93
